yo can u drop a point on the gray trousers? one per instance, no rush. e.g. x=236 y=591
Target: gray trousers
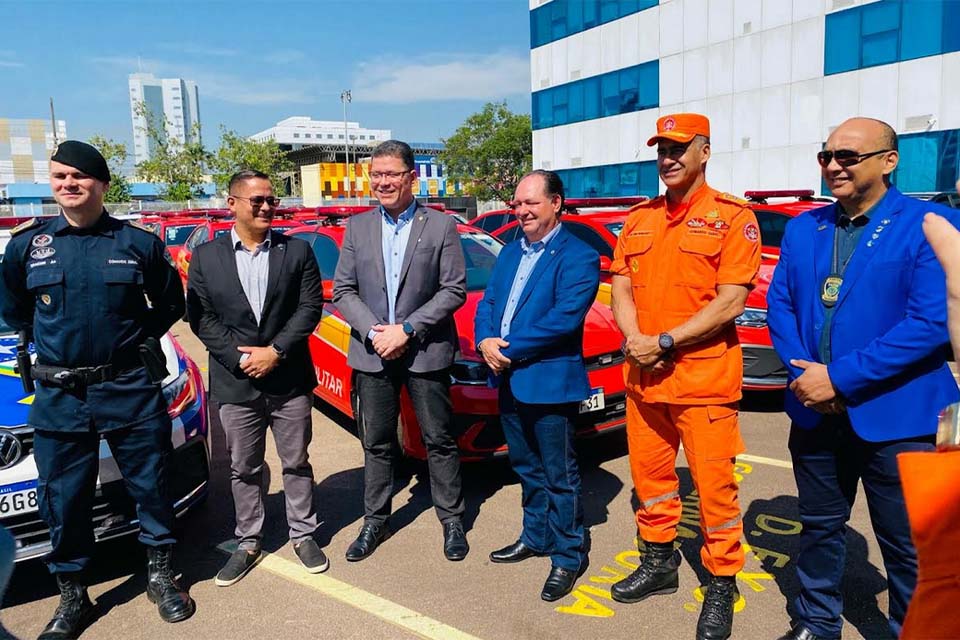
x=245 y=426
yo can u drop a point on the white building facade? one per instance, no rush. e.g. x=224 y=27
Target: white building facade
x=172 y=102
x=25 y=149
x=774 y=77
x=299 y=131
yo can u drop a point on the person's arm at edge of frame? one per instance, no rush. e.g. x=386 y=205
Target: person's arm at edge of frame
x=205 y=322
x=452 y=279
x=346 y=289
x=921 y=333
x=164 y=290
x=310 y=306
x=944 y=238
x=17 y=303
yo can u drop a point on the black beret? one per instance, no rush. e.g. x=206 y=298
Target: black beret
x=84 y=157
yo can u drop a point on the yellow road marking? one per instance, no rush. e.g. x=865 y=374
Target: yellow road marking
x=773 y=462
x=388 y=611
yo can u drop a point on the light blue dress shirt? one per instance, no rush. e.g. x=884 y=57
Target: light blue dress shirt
x=531 y=255
x=394 y=235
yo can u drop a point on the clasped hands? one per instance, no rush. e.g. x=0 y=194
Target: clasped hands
x=815 y=389
x=645 y=352
x=390 y=340
x=259 y=361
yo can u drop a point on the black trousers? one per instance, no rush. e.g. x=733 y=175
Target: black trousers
x=379 y=409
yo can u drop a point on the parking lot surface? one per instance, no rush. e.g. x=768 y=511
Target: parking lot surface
x=406 y=589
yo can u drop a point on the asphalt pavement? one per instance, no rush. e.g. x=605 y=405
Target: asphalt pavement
x=406 y=589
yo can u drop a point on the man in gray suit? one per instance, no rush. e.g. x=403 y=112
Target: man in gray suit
x=400 y=277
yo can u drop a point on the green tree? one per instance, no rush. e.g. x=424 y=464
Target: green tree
x=490 y=152
x=115 y=153
x=178 y=166
x=237 y=152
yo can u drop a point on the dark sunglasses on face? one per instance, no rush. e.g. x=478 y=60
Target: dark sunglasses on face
x=257 y=201
x=846 y=157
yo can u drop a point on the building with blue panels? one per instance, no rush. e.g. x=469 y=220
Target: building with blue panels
x=774 y=76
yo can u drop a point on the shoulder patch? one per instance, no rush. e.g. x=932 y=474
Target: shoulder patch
x=23 y=226
x=728 y=197
x=137 y=225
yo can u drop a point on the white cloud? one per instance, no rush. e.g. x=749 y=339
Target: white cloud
x=11 y=64
x=475 y=78
x=199 y=49
x=226 y=87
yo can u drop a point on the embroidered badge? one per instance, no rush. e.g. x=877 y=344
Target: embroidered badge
x=41 y=253
x=634 y=265
x=751 y=232
x=696 y=222
x=42 y=240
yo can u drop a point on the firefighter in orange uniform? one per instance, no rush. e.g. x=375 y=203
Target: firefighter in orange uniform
x=683 y=266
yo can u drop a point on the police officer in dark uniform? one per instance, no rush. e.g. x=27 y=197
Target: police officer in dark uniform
x=81 y=282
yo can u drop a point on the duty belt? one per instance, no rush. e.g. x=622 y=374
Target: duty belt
x=70 y=379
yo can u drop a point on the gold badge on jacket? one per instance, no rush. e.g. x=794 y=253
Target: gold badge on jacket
x=635 y=265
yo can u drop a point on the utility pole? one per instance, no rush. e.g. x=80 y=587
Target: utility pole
x=345 y=97
x=53 y=123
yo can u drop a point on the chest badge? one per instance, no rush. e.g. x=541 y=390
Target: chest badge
x=751 y=232
x=42 y=240
x=635 y=265
x=45 y=298
x=712 y=214
x=42 y=253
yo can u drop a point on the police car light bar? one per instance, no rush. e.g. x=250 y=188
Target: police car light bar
x=762 y=195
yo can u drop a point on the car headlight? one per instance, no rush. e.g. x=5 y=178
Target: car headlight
x=469 y=372
x=179 y=393
x=752 y=317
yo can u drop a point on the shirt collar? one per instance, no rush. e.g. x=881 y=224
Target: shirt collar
x=846 y=222
x=238 y=244
x=534 y=247
x=105 y=225
x=406 y=216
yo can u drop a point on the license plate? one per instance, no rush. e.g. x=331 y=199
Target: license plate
x=18 y=498
x=594 y=402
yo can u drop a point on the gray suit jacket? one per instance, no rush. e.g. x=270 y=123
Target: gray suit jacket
x=432 y=286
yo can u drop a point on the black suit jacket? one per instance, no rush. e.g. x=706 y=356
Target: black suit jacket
x=221 y=316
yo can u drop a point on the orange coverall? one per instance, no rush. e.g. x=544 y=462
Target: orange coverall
x=675 y=257
x=932 y=495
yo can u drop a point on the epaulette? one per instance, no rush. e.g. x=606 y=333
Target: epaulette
x=732 y=199
x=23 y=226
x=650 y=202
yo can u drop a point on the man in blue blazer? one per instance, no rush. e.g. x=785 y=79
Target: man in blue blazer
x=529 y=329
x=857 y=311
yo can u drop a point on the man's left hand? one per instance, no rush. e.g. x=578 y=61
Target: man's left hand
x=644 y=350
x=813 y=386
x=262 y=361
x=391 y=341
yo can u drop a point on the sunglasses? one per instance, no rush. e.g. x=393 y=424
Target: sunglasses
x=846 y=157
x=257 y=201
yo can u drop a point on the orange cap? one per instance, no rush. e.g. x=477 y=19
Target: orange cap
x=681 y=127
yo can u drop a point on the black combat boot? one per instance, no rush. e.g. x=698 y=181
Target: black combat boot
x=173 y=603
x=716 y=616
x=73 y=613
x=657 y=574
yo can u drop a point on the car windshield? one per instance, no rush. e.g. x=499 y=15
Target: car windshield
x=221 y=232
x=178 y=234
x=480 y=252
x=614 y=228
x=772 y=227
x=325 y=249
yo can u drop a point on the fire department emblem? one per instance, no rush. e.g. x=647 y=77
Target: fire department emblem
x=751 y=233
x=669 y=124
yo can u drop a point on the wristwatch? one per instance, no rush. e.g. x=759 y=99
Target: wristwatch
x=280 y=352
x=665 y=341
x=409 y=330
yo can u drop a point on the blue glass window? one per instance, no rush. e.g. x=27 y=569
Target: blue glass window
x=889 y=31
x=562 y=18
x=625 y=91
x=612 y=180
x=928 y=161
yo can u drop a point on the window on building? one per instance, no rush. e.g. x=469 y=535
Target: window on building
x=562 y=18
x=329 y=136
x=623 y=91
x=307 y=135
x=296 y=135
x=608 y=181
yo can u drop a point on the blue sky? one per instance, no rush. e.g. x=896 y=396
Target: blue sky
x=418 y=67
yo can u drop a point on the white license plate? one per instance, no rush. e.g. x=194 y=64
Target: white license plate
x=18 y=498
x=594 y=402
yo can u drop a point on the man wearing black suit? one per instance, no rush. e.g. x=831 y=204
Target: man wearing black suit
x=253 y=297
x=400 y=277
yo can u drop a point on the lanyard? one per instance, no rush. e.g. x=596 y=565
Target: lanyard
x=838 y=269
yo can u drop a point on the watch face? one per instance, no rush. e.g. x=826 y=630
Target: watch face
x=666 y=341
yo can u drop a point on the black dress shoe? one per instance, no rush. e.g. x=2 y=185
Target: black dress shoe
x=371 y=535
x=513 y=553
x=800 y=632
x=560 y=582
x=455 y=545
x=73 y=613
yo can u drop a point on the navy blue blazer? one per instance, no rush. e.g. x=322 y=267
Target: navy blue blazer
x=546 y=333
x=889 y=334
